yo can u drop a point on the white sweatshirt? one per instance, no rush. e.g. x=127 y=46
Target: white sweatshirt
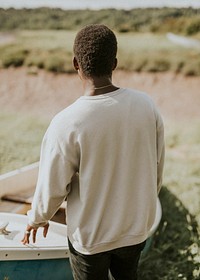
x=105 y=153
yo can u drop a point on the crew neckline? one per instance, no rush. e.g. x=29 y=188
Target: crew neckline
x=102 y=96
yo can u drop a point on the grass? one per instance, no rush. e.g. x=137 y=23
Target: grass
x=20 y=140
x=175 y=250
x=47 y=39
x=155 y=53
x=52 y=50
x=182 y=173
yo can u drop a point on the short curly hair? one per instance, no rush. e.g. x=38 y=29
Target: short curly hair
x=95 y=48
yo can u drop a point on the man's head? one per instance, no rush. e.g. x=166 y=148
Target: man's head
x=95 y=49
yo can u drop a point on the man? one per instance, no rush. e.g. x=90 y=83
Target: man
x=105 y=154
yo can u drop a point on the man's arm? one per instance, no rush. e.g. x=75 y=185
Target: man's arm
x=53 y=185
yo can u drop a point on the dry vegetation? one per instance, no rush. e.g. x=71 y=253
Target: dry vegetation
x=141 y=52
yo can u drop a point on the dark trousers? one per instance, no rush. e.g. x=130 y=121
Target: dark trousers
x=122 y=263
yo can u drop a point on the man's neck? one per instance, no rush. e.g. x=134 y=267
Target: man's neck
x=98 y=85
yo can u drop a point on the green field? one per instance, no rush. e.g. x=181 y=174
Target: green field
x=175 y=251
x=52 y=51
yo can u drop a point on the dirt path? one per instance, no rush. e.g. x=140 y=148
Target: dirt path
x=45 y=94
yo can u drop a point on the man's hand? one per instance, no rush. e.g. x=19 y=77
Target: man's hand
x=33 y=230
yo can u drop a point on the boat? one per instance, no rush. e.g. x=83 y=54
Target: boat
x=48 y=258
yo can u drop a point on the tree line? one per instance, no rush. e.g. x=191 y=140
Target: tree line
x=179 y=20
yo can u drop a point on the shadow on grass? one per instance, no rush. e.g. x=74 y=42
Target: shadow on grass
x=174 y=251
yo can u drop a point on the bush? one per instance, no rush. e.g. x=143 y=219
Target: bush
x=193 y=27
x=158 y=65
x=54 y=64
x=192 y=69
x=15 y=59
x=140 y=65
x=179 y=66
x=59 y=62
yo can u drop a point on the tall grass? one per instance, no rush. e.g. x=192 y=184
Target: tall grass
x=21 y=137
x=52 y=50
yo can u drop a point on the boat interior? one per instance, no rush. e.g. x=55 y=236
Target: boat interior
x=17 y=190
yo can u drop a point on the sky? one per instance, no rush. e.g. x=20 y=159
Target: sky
x=94 y=4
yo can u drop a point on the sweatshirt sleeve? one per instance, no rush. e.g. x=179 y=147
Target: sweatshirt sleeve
x=160 y=151
x=56 y=170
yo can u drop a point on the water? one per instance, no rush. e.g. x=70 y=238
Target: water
x=184 y=41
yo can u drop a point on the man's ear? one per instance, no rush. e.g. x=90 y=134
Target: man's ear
x=75 y=63
x=115 y=64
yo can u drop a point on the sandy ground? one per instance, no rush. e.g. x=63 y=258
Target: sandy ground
x=45 y=94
